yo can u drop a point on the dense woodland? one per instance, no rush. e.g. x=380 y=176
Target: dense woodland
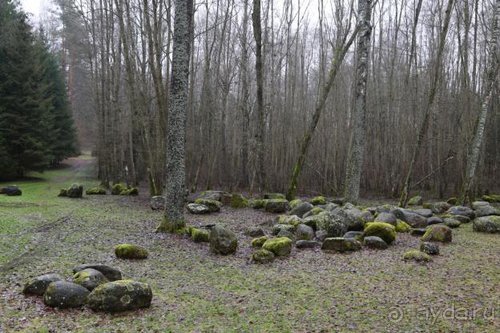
x=36 y=127
x=430 y=67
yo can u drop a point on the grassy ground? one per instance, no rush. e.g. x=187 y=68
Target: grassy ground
x=195 y=291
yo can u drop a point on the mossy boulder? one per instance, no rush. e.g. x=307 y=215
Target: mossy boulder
x=461 y=218
x=487 y=224
x=259 y=241
x=341 y=244
x=429 y=248
x=276 y=206
x=491 y=198
x=415 y=201
x=315 y=211
x=383 y=230
x=452 y=223
x=200 y=235
x=39 y=284
x=112 y=274
x=223 y=241
x=263 y=256
x=461 y=210
x=255 y=232
x=11 y=190
x=402 y=226
x=74 y=191
x=319 y=200
x=95 y=191
x=118 y=188
x=483 y=208
x=289 y=219
x=304 y=232
x=130 y=251
x=130 y=191
x=279 y=227
x=63 y=294
x=121 y=295
x=295 y=202
x=437 y=207
x=281 y=246
x=437 y=233
x=89 y=278
x=387 y=218
x=257 y=203
x=197 y=209
x=417 y=256
x=213 y=205
x=274 y=196
x=238 y=201
x=410 y=217
x=301 y=209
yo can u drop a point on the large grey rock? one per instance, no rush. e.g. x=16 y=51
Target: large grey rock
x=112 y=274
x=387 y=218
x=434 y=220
x=276 y=206
x=352 y=218
x=341 y=244
x=62 y=294
x=483 y=208
x=38 y=285
x=451 y=222
x=461 y=210
x=11 y=190
x=374 y=242
x=255 y=232
x=157 y=202
x=488 y=224
x=74 y=191
x=437 y=207
x=89 y=278
x=281 y=246
x=437 y=233
x=413 y=219
x=424 y=212
x=197 y=209
x=222 y=241
x=121 y=295
x=301 y=209
x=213 y=195
x=263 y=256
x=353 y=234
x=304 y=232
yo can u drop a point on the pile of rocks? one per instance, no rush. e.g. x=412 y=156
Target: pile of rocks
x=100 y=287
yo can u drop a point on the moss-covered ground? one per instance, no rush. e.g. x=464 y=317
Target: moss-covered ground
x=195 y=291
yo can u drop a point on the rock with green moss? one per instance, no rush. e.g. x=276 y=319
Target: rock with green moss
x=214 y=195
x=130 y=191
x=121 y=295
x=410 y=217
x=452 y=223
x=281 y=246
x=63 y=192
x=491 y=198
x=289 y=219
x=112 y=274
x=263 y=256
x=304 y=232
x=89 y=278
x=383 y=230
x=118 y=188
x=483 y=208
x=301 y=209
x=63 y=295
x=437 y=207
x=286 y=233
x=417 y=256
x=200 y=235
x=341 y=244
x=96 y=191
x=255 y=232
x=462 y=218
x=259 y=241
x=429 y=248
x=276 y=206
x=130 y=251
x=274 y=196
x=386 y=217
x=74 y=191
x=39 y=284
x=223 y=241
x=213 y=205
x=295 y=202
x=319 y=200
x=257 y=203
x=238 y=201
x=437 y=233
x=415 y=201
x=402 y=226
x=487 y=224
x=278 y=227
x=314 y=211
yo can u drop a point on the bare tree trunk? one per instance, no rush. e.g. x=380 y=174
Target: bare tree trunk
x=304 y=146
x=491 y=80
x=357 y=146
x=428 y=108
x=173 y=219
x=257 y=32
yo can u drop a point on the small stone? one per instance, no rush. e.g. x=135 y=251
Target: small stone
x=89 y=278
x=286 y=233
x=74 y=191
x=197 y=209
x=96 y=191
x=259 y=241
x=276 y=206
x=429 y=248
x=157 y=202
x=319 y=200
x=130 y=251
x=383 y=230
x=341 y=244
x=417 y=256
x=437 y=233
x=353 y=234
x=307 y=244
x=255 y=232
x=374 y=242
x=222 y=241
x=415 y=201
x=112 y=274
x=281 y=246
x=304 y=232
x=301 y=209
x=434 y=220
x=263 y=256
x=417 y=231
x=212 y=205
x=452 y=223
x=278 y=227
